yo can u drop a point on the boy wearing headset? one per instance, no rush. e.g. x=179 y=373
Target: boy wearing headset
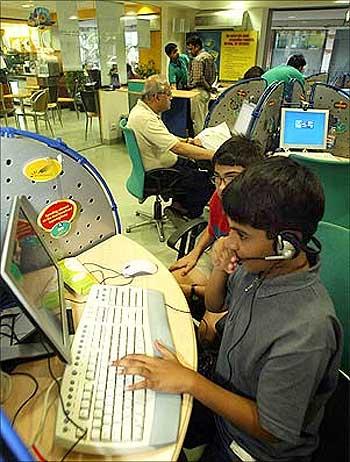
x=281 y=346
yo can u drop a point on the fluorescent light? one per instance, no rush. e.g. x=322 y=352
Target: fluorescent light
x=343 y=2
x=292 y=17
x=73 y=16
x=27 y=5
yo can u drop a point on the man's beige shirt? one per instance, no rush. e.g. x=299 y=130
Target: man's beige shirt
x=153 y=138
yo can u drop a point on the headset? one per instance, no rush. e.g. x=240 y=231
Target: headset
x=287 y=245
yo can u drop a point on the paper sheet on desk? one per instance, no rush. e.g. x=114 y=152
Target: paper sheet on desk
x=213 y=137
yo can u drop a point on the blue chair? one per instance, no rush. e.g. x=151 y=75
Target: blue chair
x=335 y=179
x=163 y=180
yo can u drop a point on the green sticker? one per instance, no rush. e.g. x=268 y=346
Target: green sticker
x=16 y=272
x=61 y=229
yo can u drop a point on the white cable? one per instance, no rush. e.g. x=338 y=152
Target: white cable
x=6 y=386
x=46 y=408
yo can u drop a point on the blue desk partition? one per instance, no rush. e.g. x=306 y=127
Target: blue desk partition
x=178 y=118
x=97 y=217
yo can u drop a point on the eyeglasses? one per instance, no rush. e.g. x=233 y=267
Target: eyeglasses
x=217 y=179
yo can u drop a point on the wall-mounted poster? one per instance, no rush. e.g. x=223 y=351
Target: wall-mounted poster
x=238 y=53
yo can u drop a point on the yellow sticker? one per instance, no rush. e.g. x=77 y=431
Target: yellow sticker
x=42 y=169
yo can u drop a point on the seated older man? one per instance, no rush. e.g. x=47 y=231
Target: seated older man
x=161 y=149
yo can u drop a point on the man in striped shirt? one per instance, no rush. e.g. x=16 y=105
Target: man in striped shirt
x=202 y=76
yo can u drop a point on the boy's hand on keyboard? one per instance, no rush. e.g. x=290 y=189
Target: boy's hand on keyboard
x=160 y=374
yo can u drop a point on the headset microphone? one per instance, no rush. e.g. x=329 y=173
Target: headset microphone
x=288 y=246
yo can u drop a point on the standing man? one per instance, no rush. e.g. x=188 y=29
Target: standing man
x=202 y=76
x=178 y=67
x=286 y=72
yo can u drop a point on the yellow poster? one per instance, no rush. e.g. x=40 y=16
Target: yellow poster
x=238 y=53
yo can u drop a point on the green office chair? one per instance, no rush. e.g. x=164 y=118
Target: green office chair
x=334 y=430
x=335 y=179
x=335 y=275
x=164 y=184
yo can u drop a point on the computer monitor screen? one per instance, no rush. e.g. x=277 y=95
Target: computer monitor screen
x=31 y=273
x=244 y=117
x=302 y=129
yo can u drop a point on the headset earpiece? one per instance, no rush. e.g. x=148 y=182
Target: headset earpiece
x=287 y=245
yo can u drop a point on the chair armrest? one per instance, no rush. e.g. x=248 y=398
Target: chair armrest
x=186 y=235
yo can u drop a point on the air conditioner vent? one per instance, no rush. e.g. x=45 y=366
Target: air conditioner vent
x=226 y=19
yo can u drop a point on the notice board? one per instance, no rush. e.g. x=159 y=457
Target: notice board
x=238 y=53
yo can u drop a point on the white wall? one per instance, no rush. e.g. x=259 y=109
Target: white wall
x=170 y=23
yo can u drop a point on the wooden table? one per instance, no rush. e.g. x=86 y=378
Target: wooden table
x=112 y=253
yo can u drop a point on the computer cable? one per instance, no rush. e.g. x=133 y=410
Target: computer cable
x=26 y=374
x=11 y=336
x=176 y=309
x=46 y=407
x=83 y=430
x=75 y=301
x=105 y=268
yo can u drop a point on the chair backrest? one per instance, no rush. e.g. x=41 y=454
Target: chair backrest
x=227 y=106
x=136 y=181
x=335 y=179
x=335 y=275
x=40 y=101
x=6 y=104
x=184 y=238
x=90 y=101
x=53 y=93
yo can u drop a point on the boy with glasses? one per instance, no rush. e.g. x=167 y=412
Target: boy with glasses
x=230 y=160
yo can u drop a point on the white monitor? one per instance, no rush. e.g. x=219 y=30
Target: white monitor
x=304 y=129
x=31 y=273
x=244 y=117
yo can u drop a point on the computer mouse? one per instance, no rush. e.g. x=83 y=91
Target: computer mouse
x=135 y=268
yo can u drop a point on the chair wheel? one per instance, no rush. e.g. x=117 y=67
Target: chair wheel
x=161 y=238
x=137 y=214
x=127 y=229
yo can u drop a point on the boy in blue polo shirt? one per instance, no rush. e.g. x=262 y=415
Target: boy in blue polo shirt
x=281 y=346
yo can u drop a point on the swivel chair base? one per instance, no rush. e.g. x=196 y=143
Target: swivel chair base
x=158 y=219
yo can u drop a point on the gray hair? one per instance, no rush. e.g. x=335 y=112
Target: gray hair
x=153 y=85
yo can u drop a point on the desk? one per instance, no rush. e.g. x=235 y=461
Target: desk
x=112 y=253
x=178 y=119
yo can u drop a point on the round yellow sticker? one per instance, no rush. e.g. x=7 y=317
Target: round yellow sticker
x=42 y=169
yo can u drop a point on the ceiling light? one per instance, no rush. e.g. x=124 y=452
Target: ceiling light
x=292 y=17
x=73 y=16
x=343 y=2
x=27 y=5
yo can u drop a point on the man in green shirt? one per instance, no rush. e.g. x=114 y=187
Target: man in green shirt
x=178 y=67
x=286 y=72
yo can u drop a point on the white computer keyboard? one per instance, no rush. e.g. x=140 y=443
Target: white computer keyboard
x=117 y=320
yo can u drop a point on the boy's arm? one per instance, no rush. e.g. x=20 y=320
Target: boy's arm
x=189 y=261
x=166 y=374
x=215 y=292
